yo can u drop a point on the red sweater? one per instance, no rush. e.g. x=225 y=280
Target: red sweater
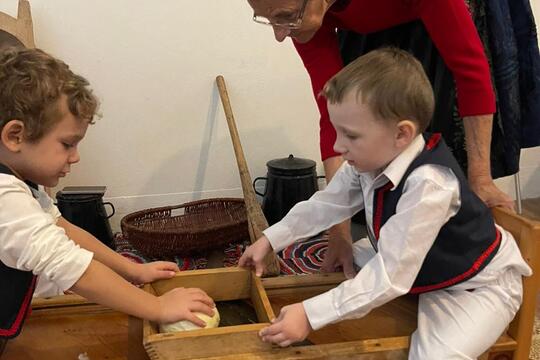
x=449 y=25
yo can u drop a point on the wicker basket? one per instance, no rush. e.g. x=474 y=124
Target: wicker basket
x=188 y=228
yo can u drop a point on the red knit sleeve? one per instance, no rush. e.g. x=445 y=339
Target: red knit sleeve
x=453 y=32
x=322 y=60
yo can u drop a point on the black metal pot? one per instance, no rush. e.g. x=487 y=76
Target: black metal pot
x=87 y=211
x=288 y=181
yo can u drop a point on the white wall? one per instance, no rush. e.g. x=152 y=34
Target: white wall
x=163 y=137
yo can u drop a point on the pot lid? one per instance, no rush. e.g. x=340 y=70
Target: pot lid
x=291 y=166
x=60 y=196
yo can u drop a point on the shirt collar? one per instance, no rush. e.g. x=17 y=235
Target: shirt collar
x=397 y=167
x=34 y=189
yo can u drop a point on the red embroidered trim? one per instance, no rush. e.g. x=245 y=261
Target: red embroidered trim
x=22 y=311
x=433 y=140
x=474 y=268
x=379 y=210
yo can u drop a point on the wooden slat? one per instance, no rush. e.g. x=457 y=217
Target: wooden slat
x=257 y=221
x=220 y=284
x=527 y=234
x=58 y=301
x=262 y=305
x=207 y=342
x=282 y=284
x=382 y=349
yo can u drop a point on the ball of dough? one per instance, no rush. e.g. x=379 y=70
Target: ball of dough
x=184 y=325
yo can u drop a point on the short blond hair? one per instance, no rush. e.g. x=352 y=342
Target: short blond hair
x=391 y=82
x=31 y=84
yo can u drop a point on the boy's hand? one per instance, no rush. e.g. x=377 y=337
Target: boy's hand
x=292 y=325
x=339 y=255
x=254 y=255
x=180 y=304
x=147 y=273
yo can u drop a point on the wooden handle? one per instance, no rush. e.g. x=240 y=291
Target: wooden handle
x=20 y=27
x=256 y=220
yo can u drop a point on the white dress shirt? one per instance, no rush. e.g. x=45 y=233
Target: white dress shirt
x=430 y=198
x=30 y=240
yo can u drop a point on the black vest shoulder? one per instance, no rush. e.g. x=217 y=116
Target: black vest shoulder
x=464 y=245
x=17 y=290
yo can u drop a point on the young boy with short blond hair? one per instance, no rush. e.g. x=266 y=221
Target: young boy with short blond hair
x=429 y=233
x=45 y=110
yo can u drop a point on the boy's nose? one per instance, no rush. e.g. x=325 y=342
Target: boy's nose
x=75 y=157
x=338 y=147
x=281 y=33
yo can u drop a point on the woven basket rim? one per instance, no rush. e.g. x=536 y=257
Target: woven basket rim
x=125 y=224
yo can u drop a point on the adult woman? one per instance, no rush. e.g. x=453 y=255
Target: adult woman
x=312 y=25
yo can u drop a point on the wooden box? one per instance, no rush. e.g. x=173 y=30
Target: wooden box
x=222 y=284
x=384 y=333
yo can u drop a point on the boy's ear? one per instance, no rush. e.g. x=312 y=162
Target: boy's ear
x=12 y=135
x=406 y=132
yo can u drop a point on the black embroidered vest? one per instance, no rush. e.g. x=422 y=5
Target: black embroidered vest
x=17 y=290
x=464 y=245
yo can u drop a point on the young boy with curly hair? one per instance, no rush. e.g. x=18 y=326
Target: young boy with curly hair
x=45 y=111
x=429 y=233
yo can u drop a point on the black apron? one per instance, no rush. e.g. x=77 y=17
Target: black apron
x=15 y=302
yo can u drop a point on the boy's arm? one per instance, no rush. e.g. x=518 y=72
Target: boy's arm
x=101 y=252
x=127 y=269
x=430 y=198
x=341 y=199
x=340 y=240
x=104 y=286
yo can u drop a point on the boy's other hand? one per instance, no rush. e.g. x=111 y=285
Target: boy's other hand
x=181 y=303
x=254 y=255
x=292 y=325
x=147 y=273
x=339 y=254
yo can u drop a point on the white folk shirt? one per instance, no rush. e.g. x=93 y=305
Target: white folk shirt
x=430 y=198
x=30 y=240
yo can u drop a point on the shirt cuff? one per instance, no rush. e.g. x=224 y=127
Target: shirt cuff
x=279 y=236
x=46 y=288
x=320 y=310
x=476 y=103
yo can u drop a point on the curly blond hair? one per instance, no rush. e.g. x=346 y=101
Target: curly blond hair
x=31 y=85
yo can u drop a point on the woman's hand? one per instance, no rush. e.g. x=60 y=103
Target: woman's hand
x=487 y=191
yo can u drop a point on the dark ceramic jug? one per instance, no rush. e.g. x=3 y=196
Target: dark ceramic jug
x=288 y=181
x=87 y=211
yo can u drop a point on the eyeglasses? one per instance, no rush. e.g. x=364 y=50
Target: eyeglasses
x=289 y=20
